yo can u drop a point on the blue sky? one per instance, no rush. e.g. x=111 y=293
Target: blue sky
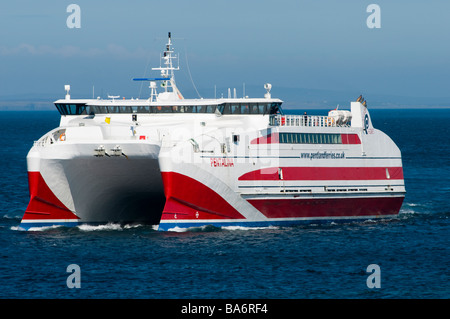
x=321 y=45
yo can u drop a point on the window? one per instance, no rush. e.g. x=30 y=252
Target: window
x=101 y=110
x=235 y=109
x=225 y=108
x=211 y=108
x=248 y=108
x=310 y=138
x=161 y=109
x=71 y=109
x=245 y=109
x=275 y=108
x=61 y=109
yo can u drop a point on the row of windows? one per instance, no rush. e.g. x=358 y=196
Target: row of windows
x=310 y=138
x=225 y=108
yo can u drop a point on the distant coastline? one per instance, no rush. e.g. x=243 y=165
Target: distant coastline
x=49 y=106
x=26 y=106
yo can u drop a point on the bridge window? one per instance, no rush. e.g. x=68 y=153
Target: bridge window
x=224 y=108
x=71 y=109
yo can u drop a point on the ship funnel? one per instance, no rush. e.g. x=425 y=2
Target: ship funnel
x=361 y=117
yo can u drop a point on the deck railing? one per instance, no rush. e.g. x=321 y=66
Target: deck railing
x=305 y=120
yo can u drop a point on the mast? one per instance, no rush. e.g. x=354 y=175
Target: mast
x=167 y=69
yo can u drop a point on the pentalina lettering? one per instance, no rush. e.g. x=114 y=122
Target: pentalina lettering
x=221 y=162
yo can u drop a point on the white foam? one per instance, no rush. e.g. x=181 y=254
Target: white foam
x=178 y=229
x=407 y=212
x=7 y=216
x=206 y=227
x=42 y=228
x=248 y=227
x=109 y=226
x=412 y=204
x=129 y=226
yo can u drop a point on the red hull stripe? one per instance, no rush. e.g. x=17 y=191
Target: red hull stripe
x=43 y=202
x=335 y=207
x=268 y=139
x=350 y=139
x=274 y=139
x=324 y=173
x=187 y=198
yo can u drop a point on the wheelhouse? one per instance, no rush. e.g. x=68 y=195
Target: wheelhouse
x=74 y=108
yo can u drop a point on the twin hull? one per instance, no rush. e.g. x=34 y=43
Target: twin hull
x=229 y=170
x=69 y=185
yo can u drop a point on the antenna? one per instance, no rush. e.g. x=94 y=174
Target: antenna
x=152 y=91
x=189 y=70
x=268 y=87
x=167 y=78
x=67 y=88
x=166 y=67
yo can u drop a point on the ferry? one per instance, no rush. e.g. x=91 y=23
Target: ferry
x=178 y=163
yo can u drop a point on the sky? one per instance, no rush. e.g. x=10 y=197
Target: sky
x=295 y=45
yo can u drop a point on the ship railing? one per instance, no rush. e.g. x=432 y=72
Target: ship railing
x=43 y=142
x=306 y=120
x=40 y=143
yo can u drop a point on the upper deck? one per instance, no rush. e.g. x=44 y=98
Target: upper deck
x=223 y=106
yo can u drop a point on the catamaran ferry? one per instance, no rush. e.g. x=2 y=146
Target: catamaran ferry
x=176 y=162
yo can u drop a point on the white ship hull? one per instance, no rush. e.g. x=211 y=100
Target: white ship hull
x=193 y=162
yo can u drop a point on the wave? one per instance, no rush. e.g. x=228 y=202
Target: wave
x=42 y=228
x=412 y=204
x=108 y=227
x=11 y=217
x=112 y=227
x=211 y=228
x=82 y=227
x=178 y=229
x=407 y=212
x=204 y=228
x=248 y=227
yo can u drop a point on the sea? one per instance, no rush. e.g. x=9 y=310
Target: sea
x=407 y=257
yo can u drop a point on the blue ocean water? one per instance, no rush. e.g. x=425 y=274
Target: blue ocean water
x=315 y=261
